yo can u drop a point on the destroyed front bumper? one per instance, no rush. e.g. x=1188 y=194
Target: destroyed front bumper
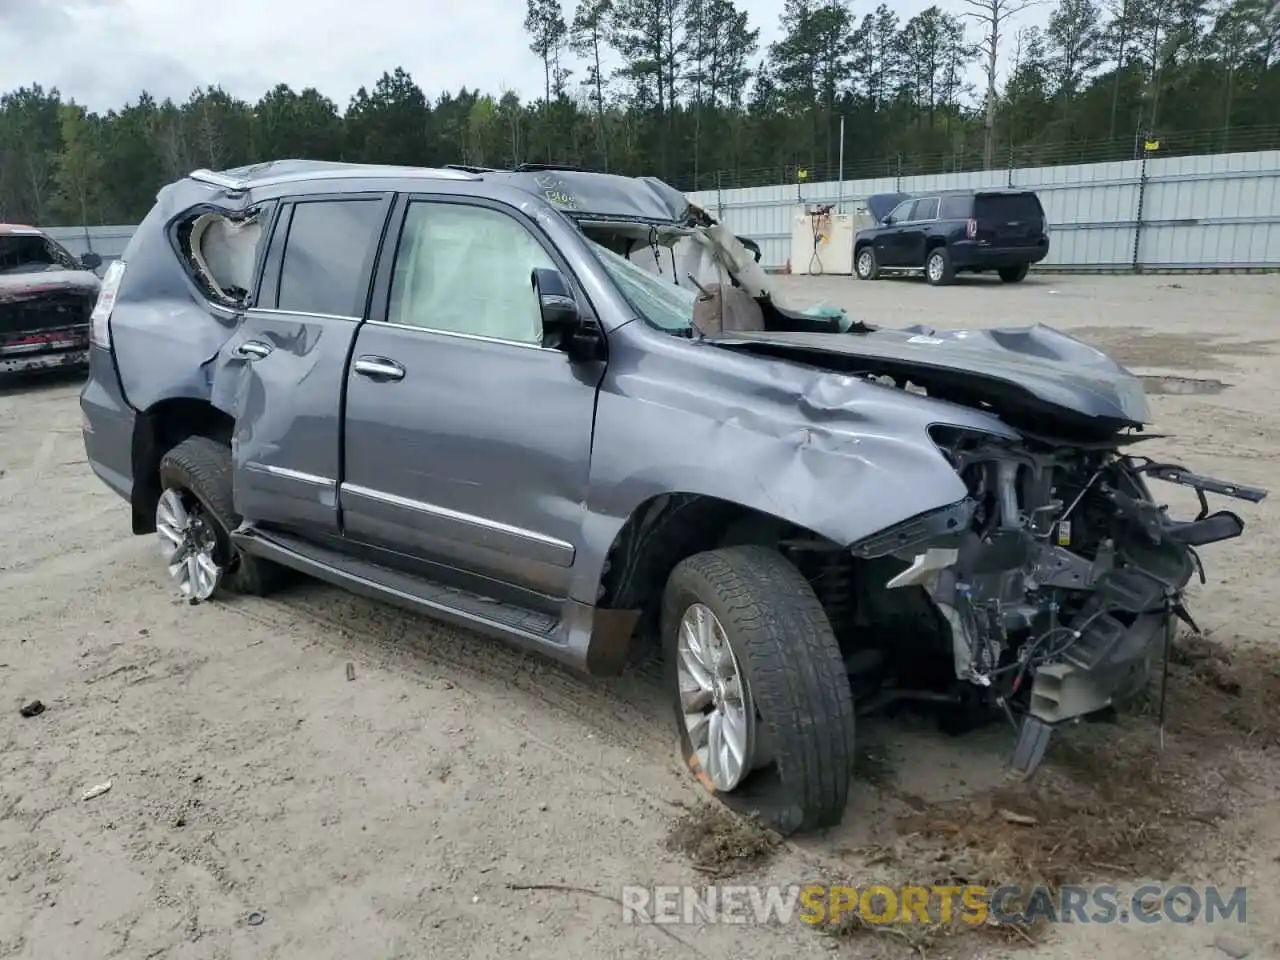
x=1053 y=622
x=1132 y=613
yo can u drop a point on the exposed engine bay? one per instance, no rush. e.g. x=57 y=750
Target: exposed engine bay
x=1059 y=579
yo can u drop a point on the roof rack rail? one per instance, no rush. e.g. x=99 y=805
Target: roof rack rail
x=468 y=168
x=217 y=179
x=538 y=167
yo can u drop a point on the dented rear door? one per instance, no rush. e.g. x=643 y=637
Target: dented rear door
x=286 y=362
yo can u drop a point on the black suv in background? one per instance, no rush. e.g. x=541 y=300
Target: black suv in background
x=942 y=234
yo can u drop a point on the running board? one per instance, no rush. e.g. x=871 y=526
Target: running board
x=526 y=628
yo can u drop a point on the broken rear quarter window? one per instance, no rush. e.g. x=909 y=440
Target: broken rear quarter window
x=223 y=252
x=324 y=256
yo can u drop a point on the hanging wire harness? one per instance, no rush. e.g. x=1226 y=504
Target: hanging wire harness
x=820 y=222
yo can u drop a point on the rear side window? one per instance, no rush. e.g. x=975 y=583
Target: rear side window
x=955 y=207
x=325 y=255
x=926 y=209
x=1008 y=206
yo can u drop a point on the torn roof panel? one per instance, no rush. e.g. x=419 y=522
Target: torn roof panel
x=601 y=195
x=577 y=193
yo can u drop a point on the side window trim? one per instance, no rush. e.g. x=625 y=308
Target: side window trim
x=273 y=262
x=272 y=210
x=273 y=266
x=381 y=295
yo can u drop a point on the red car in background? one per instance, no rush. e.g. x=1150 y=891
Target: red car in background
x=46 y=297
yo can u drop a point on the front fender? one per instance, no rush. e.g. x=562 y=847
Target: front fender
x=843 y=459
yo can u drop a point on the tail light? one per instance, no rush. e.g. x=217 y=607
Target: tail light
x=100 y=319
x=970 y=228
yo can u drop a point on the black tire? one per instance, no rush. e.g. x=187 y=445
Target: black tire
x=202 y=467
x=944 y=273
x=796 y=675
x=865 y=266
x=1014 y=274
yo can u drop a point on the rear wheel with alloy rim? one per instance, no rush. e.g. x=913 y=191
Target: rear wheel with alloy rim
x=937 y=267
x=188 y=544
x=194 y=519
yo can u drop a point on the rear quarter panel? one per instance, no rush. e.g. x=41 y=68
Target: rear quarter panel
x=166 y=335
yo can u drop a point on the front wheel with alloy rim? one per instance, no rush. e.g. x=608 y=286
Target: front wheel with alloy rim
x=937 y=267
x=865 y=264
x=194 y=519
x=759 y=687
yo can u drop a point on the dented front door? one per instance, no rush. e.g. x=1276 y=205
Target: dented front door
x=467 y=446
x=285 y=364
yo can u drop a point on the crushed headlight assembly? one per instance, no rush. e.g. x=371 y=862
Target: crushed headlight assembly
x=927 y=528
x=916 y=531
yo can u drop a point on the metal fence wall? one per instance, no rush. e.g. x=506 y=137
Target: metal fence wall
x=1184 y=213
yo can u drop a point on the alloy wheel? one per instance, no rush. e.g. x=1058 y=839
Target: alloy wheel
x=188 y=544
x=716 y=703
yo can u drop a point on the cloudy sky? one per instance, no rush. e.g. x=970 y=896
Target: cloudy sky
x=103 y=52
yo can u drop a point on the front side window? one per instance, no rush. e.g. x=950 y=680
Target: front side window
x=469 y=270
x=902 y=211
x=324 y=257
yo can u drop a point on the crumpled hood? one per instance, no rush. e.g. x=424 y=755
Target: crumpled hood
x=1037 y=368
x=26 y=286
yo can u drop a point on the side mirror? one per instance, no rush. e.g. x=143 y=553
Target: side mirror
x=91 y=260
x=560 y=314
x=888 y=221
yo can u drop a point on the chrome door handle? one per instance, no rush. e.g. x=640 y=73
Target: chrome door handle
x=379 y=368
x=252 y=350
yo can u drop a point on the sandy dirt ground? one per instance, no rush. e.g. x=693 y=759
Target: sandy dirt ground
x=314 y=775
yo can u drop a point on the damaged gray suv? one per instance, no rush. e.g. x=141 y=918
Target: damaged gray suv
x=564 y=409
